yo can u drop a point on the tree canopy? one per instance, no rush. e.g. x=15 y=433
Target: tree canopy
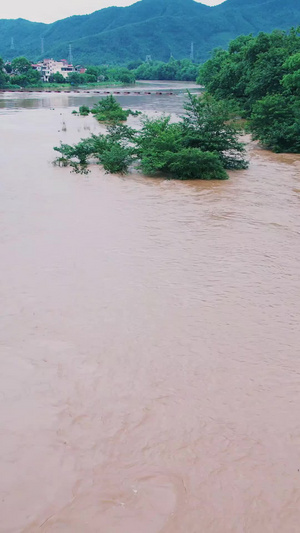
x=182 y=70
x=261 y=76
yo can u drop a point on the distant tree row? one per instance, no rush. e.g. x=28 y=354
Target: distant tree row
x=261 y=76
x=181 y=70
x=103 y=73
x=20 y=73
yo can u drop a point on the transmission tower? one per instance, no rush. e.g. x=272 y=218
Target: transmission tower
x=192 y=52
x=148 y=59
x=12 y=44
x=42 y=46
x=70 y=55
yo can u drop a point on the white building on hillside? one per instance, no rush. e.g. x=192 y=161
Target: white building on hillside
x=50 y=66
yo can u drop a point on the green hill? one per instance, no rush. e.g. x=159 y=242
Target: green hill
x=159 y=28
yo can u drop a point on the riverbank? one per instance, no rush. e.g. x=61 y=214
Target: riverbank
x=155 y=85
x=61 y=88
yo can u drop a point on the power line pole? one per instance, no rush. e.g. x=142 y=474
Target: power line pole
x=42 y=46
x=70 y=55
x=12 y=44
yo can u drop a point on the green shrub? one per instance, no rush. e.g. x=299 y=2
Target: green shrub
x=209 y=126
x=156 y=141
x=109 y=110
x=84 y=110
x=275 y=121
x=192 y=164
x=116 y=159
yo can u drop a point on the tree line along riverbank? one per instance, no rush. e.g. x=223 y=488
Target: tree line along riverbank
x=20 y=74
x=259 y=78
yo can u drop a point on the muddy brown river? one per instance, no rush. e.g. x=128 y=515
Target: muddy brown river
x=150 y=345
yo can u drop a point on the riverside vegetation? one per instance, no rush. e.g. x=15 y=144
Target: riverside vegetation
x=107 y=110
x=202 y=145
x=19 y=73
x=260 y=76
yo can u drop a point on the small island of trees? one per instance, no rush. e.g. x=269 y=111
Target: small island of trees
x=202 y=145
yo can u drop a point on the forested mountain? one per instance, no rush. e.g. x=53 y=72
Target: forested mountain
x=159 y=28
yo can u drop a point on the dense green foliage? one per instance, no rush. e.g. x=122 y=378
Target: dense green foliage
x=261 y=75
x=159 y=28
x=107 y=110
x=84 y=110
x=105 y=73
x=182 y=70
x=57 y=78
x=201 y=146
x=20 y=73
x=275 y=122
x=3 y=75
x=96 y=74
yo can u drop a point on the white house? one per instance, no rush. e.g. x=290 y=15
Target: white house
x=50 y=66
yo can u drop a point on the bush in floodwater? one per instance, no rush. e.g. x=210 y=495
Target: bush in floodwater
x=75 y=155
x=114 y=156
x=109 y=110
x=192 y=164
x=116 y=159
x=201 y=146
x=84 y=110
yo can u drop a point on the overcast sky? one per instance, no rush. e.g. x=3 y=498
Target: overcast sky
x=51 y=10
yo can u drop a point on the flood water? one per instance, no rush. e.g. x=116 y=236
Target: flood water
x=150 y=365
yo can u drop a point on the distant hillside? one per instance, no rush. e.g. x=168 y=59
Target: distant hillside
x=159 y=28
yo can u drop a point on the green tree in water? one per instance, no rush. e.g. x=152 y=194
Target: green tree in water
x=208 y=126
x=201 y=146
x=109 y=110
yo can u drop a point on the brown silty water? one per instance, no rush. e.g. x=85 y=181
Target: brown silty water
x=150 y=370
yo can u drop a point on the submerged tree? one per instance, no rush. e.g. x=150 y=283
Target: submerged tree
x=108 y=110
x=201 y=146
x=209 y=126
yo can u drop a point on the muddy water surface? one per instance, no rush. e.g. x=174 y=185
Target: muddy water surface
x=150 y=365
